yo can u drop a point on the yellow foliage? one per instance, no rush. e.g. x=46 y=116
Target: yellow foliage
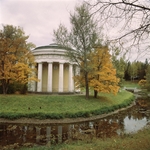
x=15 y=57
x=142 y=83
x=101 y=75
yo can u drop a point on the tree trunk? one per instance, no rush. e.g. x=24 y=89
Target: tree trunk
x=4 y=82
x=86 y=85
x=5 y=86
x=95 y=94
x=4 y=90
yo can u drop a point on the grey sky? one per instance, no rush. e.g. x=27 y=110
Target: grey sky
x=38 y=18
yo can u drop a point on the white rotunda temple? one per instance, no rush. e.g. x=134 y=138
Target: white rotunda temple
x=54 y=70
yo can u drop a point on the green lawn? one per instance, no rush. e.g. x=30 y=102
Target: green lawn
x=60 y=106
x=131 y=84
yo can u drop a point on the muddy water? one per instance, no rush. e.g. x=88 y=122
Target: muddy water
x=127 y=121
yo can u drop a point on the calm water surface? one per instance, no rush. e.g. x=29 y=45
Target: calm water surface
x=124 y=122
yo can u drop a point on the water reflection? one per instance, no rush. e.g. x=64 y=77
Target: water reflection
x=133 y=125
x=127 y=121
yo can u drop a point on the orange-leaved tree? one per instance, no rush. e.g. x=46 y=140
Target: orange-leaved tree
x=16 y=58
x=102 y=74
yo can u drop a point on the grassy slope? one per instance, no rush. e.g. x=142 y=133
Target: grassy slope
x=20 y=103
x=58 y=106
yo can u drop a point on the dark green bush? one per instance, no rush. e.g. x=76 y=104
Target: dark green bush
x=14 y=87
x=11 y=89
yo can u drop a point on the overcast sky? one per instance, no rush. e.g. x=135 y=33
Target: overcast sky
x=38 y=18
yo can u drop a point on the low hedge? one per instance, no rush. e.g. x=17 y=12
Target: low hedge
x=55 y=115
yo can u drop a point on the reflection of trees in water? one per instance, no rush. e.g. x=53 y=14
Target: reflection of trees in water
x=49 y=134
x=135 y=112
x=106 y=128
x=20 y=134
x=101 y=129
x=141 y=110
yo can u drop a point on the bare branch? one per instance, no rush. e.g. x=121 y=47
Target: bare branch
x=131 y=17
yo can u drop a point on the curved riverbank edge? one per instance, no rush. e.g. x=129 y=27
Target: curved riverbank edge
x=62 y=121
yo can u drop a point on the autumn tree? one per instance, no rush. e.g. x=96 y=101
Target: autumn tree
x=15 y=57
x=82 y=37
x=102 y=78
x=129 y=18
x=146 y=81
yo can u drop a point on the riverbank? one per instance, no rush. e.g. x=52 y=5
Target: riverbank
x=43 y=135
x=61 y=121
x=138 y=141
x=60 y=109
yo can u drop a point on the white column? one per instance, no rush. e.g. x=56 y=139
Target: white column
x=61 y=76
x=49 y=84
x=48 y=134
x=77 y=72
x=70 y=78
x=33 y=82
x=73 y=74
x=38 y=134
x=59 y=134
x=39 y=84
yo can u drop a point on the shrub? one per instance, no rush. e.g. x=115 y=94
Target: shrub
x=142 y=83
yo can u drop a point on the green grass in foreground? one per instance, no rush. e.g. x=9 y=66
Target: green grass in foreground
x=60 y=106
x=138 y=141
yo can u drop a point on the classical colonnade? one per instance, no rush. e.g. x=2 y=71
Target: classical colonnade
x=55 y=71
x=55 y=77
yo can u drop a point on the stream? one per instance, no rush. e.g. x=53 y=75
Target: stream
x=127 y=121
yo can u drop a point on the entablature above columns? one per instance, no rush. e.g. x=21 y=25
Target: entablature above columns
x=53 y=58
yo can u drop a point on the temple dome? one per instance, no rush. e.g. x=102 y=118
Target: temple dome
x=50 y=46
x=52 y=49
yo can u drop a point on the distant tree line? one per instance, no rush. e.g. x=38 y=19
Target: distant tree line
x=131 y=71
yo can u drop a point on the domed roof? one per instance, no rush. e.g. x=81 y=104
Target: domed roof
x=51 y=46
x=52 y=49
x=53 y=52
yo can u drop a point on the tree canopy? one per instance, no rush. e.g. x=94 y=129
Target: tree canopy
x=16 y=57
x=82 y=37
x=102 y=78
